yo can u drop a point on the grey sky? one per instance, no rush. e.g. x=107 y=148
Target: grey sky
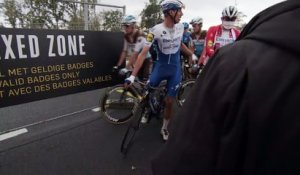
x=209 y=10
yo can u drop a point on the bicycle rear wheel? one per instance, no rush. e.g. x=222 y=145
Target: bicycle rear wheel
x=132 y=128
x=118 y=104
x=183 y=91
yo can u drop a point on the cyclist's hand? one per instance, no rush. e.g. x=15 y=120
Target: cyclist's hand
x=129 y=80
x=194 y=57
x=195 y=66
x=123 y=71
x=201 y=65
x=115 y=68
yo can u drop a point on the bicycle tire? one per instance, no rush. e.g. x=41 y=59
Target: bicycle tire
x=183 y=91
x=132 y=128
x=118 y=104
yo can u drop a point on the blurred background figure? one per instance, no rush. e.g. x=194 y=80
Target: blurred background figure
x=221 y=35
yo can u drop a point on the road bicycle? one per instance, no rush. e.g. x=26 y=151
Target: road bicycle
x=118 y=105
x=150 y=103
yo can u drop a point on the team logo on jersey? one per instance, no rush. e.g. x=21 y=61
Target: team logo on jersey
x=150 y=37
x=210 y=43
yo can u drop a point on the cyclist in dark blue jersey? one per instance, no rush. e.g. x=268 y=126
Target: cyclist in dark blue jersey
x=198 y=36
x=168 y=37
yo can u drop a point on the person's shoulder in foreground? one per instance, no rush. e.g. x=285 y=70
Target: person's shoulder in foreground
x=242 y=116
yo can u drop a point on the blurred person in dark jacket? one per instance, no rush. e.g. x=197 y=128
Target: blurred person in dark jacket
x=243 y=115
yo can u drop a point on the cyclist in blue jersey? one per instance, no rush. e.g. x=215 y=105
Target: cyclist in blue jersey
x=168 y=37
x=198 y=36
x=186 y=38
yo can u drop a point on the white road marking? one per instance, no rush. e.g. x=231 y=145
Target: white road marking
x=12 y=134
x=96 y=109
x=45 y=121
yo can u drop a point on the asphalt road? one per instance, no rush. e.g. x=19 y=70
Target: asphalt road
x=65 y=136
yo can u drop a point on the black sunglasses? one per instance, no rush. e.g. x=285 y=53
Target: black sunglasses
x=226 y=18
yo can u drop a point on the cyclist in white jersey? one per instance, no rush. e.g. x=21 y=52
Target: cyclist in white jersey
x=133 y=43
x=130 y=36
x=168 y=37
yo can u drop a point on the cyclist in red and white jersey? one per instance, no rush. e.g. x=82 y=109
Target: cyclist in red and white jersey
x=221 y=35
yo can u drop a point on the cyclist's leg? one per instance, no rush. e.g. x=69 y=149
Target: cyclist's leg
x=154 y=81
x=172 y=87
x=167 y=116
x=156 y=76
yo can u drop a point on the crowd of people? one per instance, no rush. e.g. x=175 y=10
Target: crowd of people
x=172 y=40
x=203 y=43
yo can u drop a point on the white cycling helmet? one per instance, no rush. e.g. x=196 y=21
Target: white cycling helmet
x=230 y=11
x=196 y=20
x=128 y=20
x=167 y=5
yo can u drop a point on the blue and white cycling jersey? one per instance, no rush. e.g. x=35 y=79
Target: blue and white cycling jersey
x=168 y=41
x=167 y=67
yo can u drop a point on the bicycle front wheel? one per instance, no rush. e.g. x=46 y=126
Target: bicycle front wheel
x=118 y=104
x=183 y=91
x=132 y=129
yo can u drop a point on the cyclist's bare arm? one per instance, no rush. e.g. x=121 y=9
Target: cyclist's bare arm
x=192 y=47
x=140 y=60
x=187 y=51
x=132 y=60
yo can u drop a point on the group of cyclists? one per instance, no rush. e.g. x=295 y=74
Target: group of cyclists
x=167 y=43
